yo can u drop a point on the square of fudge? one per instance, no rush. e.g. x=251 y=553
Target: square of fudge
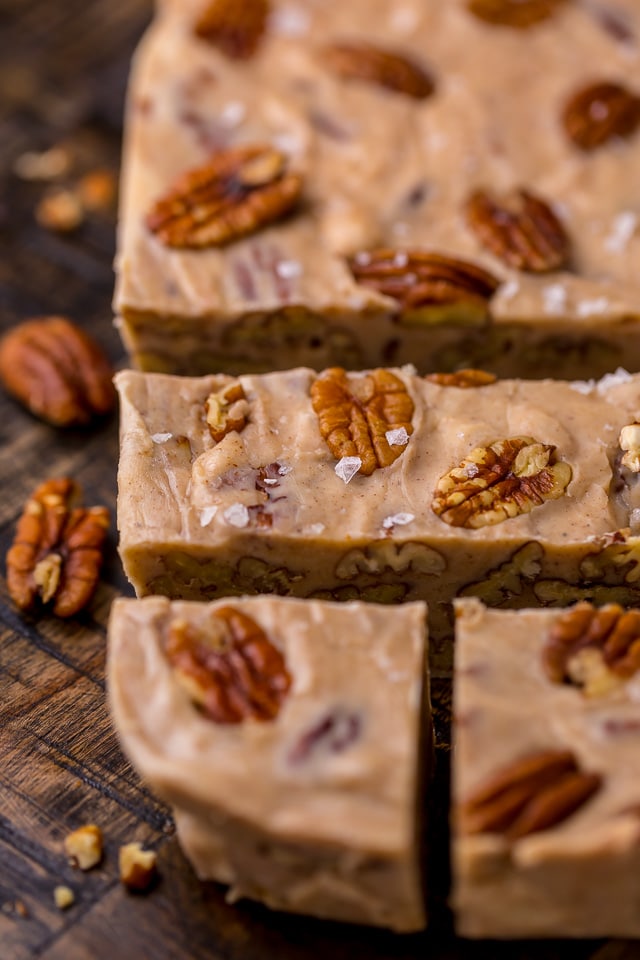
x=381 y=486
x=446 y=215
x=546 y=778
x=292 y=740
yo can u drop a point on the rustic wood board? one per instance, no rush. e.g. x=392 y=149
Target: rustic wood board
x=63 y=67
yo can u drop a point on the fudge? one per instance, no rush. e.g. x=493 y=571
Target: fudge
x=546 y=786
x=348 y=184
x=381 y=486
x=291 y=738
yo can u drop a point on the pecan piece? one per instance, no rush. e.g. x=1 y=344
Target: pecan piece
x=416 y=278
x=232 y=671
x=464 y=379
x=237 y=192
x=57 y=371
x=594 y=648
x=236 y=27
x=503 y=480
x=629 y=443
x=357 y=412
x=513 y=13
x=226 y=410
x=599 y=112
x=57 y=551
x=530 y=794
x=385 y=68
x=521 y=230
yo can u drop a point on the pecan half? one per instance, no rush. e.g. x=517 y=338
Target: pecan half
x=416 y=278
x=385 y=68
x=357 y=411
x=226 y=410
x=513 y=13
x=503 y=480
x=464 y=379
x=236 y=193
x=530 y=794
x=57 y=551
x=521 y=230
x=599 y=112
x=231 y=671
x=593 y=648
x=57 y=371
x=236 y=27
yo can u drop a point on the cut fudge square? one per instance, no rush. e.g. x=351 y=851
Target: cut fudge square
x=382 y=486
x=546 y=784
x=321 y=184
x=291 y=738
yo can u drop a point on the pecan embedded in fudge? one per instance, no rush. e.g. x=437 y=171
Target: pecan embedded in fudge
x=269 y=801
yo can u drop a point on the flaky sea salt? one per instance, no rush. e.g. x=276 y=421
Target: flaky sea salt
x=314 y=529
x=583 y=386
x=288 y=269
x=555 y=298
x=207 y=515
x=397 y=520
x=589 y=308
x=237 y=515
x=161 y=437
x=615 y=379
x=290 y=21
x=509 y=290
x=233 y=113
x=622 y=230
x=397 y=438
x=347 y=467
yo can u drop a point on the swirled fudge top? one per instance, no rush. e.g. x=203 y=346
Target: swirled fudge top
x=503 y=134
x=337 y=457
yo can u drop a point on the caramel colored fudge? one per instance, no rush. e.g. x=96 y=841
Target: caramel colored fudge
x=381 y=486
x=318 y=184
x=286 y=735
x=546 y=796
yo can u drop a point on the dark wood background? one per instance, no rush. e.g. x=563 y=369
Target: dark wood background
x=63 y=69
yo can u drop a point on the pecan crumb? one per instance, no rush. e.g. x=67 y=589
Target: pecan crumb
x=385 y=68
x=97 y=190
x=137 y=867
x=84 y=846
x=236 y=27
x=60 y=210
x=63 y=897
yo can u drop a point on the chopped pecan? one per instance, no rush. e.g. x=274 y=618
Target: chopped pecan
x=385 y=68
x=593 y=648
x=629 y=442
x=513 y=13
x=357 y=411
x=57 y=551
x=503 y=480
x=137 y=868
x=236 y=27
x=236 y=193
x=57 y=371
x=530 y=794
x=231 y=671
x=226 y=410
x=84 y=846
x=522 y=230
x=416 y=278
x=333 y=733
x=599 y=112
x=464 y=379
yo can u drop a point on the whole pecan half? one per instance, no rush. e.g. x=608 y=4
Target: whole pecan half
x=57 y=371
x=503 y=480
x=231 y=670
x=593 y=647
x=521 y=230
x=417 y=278
x=533 y=793
x=599 y=112
x=237 y=192
x=464 y=379
x=226 y=410
x=513 y=13
x=357 y=412
x=384 y=68
x=57 y=550
x=236 y=27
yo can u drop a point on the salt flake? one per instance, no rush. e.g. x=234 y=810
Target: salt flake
x=588 y=308
x=622 y=230
x=288 y=269
x=555 y=298
x=237 y=515
x=161 y=437
x=397 y=438
x=207 y=515
x=398 y=520
x=614 y=380
x=347 y=467
x=290 y=21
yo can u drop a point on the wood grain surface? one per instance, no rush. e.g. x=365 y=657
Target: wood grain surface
x=63 y=68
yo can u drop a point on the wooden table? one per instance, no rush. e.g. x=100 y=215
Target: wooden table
x=63 y=67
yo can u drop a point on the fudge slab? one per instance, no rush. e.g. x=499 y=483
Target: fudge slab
x=270 y=508
x=557 y=855
x=300 y=788
x=382 y=169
